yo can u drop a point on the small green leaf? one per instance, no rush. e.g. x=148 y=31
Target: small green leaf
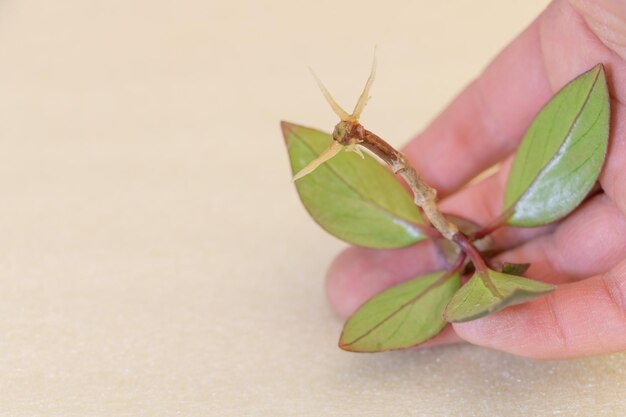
x=400 y=317
x=561 y=154
x=514 y=269
x=354 y=199
x=475 y=300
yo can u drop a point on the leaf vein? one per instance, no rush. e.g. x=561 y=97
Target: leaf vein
x=539 y=174
x=364 y=198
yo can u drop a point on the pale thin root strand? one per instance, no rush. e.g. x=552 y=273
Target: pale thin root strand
x=365 y=94
x=354 y=147
x=343 y=115
x=332 y=150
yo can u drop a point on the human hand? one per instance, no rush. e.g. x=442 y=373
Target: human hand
x=584 y=254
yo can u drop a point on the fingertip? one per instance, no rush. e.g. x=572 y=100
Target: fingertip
x=446 y=337
x=358 y=274
x=479 y=331
x=579 y=319
x=344 y=281
x=533 y=329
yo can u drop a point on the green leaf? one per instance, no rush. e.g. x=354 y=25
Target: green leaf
x=561 y=154
x=354 y=199
x=475 y=300
x=400 y=317
x=514 y=269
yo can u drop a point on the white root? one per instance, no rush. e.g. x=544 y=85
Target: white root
x=365 y=94
x=341 y=113
x=332 y=150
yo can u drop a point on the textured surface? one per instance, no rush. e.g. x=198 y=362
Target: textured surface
x=155 y=259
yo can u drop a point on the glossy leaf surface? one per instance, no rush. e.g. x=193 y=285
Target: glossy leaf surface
x=475 y=300
x=561 y=154
x=354 y=199
x=400 y=317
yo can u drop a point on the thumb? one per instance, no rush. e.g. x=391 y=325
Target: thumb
x=580 y=319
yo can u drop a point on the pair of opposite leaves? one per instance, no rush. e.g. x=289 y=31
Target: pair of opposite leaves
x=362 y=203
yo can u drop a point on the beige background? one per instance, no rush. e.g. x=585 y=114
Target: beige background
x=154 y=257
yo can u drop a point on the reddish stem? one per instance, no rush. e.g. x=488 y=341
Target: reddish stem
x=494 y=225
x=479 y=263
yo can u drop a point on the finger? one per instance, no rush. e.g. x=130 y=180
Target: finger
x=357 y=273
x=579 y=319
x=613 y=176
x=482 y=202
x=574 y=38
x=589 y=242
x=446 y=337
x=485 y=122
x=606 y=19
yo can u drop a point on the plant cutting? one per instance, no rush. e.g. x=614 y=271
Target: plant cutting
x=354 y=197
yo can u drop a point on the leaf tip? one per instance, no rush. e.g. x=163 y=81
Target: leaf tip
x=450 y=317
x=353 y=347
x=343 y=344
x=287 y=128
x=598 y=67
x=547 y=288
x=346 y=347
x=473 y=300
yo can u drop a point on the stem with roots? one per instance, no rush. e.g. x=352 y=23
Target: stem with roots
x=424 y=196
x=349 y=134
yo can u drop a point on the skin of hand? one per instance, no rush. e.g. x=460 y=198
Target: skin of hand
x=584 y=254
